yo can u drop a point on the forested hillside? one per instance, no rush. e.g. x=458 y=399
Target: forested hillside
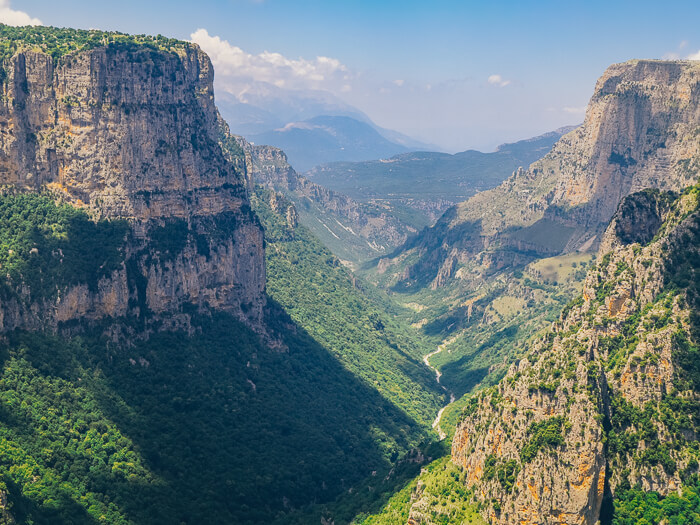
x=597 y=423
x=603 y=411
x=344 y=315
x=146 y=376
x=182 y=427
x=175 y=347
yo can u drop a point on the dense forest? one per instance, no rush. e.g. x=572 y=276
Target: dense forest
x=210 y=426
x=345 y=315
x=58 y=42
x=321 y=411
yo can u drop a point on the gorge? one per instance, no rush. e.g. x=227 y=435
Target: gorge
x=179 y=344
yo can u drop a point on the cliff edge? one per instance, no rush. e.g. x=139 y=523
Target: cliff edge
x=126 y=128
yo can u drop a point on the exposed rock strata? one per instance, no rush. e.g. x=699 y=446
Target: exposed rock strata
x=641 y=131
x=132 y=133
x=613 y=353
x=329 y=214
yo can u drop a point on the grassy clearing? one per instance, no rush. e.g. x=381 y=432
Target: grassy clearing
x=558 y=269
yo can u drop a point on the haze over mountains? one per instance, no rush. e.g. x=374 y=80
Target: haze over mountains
x=432 y=177
x=262 y=107
x=312 y=127
x=324 y=139
x=378 y=205
x=363 y=209
x=179 y=347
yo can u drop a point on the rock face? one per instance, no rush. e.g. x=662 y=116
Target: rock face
x=609 y=397
x=131 y=132
x=335 y=218
x=641 y=131
x=6 y=517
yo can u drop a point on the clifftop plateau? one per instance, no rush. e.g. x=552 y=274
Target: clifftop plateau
x=126 y=128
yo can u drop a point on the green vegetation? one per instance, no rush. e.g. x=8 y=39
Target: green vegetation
x=338 y=231
x=48 y=247
x=220 y=428
x=443 y=499
x=683 y=275
x=504 y=471
x=322 y=296
x=212 y=427
x=632 y=426
x=59 y=42
x=103 y=422
x=656 y=438
x=543 y=434
x=491 y=318
x=507 y=473
x=634 y=506
x=393 y=198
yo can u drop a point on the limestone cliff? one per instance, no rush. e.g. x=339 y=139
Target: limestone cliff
x=640 y=131
x=609 y=398
x=126 y=128
x=352 y=229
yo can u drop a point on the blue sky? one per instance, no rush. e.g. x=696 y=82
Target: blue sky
x=459 y=74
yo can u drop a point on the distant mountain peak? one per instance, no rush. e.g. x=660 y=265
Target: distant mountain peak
x=559 y=132
x=327 y=138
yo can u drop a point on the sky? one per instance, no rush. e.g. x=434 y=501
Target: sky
x=457 y=74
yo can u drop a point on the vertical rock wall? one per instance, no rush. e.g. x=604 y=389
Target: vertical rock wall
x=130 y=132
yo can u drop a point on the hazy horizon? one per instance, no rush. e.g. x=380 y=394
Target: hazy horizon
x=453 y=74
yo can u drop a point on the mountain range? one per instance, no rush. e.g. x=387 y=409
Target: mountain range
x=369 y=210
x=323 y=139
x=261 y=107
x=177 y=347
x=428 y=180
x=589 y=415
x=313 y=127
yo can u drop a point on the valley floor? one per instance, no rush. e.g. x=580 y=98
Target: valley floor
x=438 y=374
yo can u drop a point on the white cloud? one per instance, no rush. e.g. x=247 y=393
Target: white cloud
x=11 y=17
x=399 y=82
x=497 y=80
x=575 y=110
x=680 y=54
x=235 y=67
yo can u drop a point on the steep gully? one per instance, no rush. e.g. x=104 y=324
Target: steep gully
x=426 y=360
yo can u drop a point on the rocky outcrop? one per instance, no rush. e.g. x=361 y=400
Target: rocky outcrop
x=607 y=398
x=131 y=132
x=638 y=219
x=6 y=517
x=355 y=230
x=641 y=131
x=128 y=133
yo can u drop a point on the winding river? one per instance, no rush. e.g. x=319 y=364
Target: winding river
x=426 y=360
